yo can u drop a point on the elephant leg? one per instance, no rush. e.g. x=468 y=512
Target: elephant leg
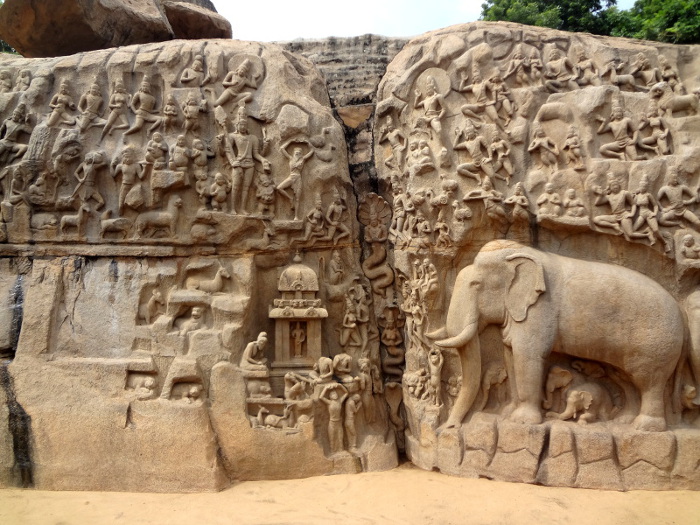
x=512 y=391
x=529 y=372
x=651 y=416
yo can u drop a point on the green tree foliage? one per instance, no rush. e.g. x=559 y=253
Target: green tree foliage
x=675 y=21
x=567 y=15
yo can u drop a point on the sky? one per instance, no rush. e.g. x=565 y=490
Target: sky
x=269 y=20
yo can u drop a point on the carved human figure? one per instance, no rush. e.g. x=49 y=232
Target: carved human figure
x=219 y=192
x=87 y=184
x=559 y=73
x=11 y=131
x=475 y=145
x=170 y=115
x=433 y=105
x=315 y=224
x=118 y=106
x=573 y=205
x=397 y=141
x=180 y=156
x=492 y=201
x=352 y=407
x=502 y=98
x=675 y=210
x=5 y=81
x=329 y=396
x=297 y=159
x=620 y=218
x=624 y=134
x=499 y=152
x=24 y=80
x=143 y=104
x=200 y=158
x=130 y=171
x=242 y=162
x=647 y=209
x=420 y=160
x=156 y=151
x=670 y=75
x=689 y=248
x=435 y=363
x=549 y=203
x=658 y=139
x=484 y=101
x=518 y=66
x=191 y=110
x=298 y=336
x=364 y=378
x=195 y=322
x=334 y=219
x=642 y=70
x=588 y=74
x=90 y=106
x=194 y=74
x=265 y=194
x=535 y=66
x=61 y=104
x=253 y=355
x=336 y=268
x=545 y=148
x=235 y=83
x=572 y=149
x=520 y=204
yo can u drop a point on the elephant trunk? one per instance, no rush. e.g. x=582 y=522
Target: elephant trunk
x=470 y=357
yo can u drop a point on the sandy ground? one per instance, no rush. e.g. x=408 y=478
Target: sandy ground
x=404 y=495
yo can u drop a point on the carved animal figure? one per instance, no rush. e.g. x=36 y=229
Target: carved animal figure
x=265 y=419
x=669 y=102
x=590 y=401
x=545 y=302
x=76 y=221
x=214 y=285
x=156 y=220
x=116 y=225
x=152 y=307
x=494 y=376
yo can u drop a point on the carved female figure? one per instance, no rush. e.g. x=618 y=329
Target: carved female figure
x=118 y=105
x=546 y=148
x=60 y=104
x=433 y=104
x=657 y=141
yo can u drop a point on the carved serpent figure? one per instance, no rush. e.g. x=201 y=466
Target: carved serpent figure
x=374 y=213
x=377 y=270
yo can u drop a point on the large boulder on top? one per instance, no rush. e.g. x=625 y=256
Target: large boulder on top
x=57 y=28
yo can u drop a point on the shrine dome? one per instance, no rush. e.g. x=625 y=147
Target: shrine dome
x=298 y=277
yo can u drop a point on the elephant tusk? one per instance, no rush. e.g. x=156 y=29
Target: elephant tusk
x=440 y=333
x=460 y=340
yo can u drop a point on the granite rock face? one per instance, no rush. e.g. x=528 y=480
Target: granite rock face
x=53 y=28
x=483 y=254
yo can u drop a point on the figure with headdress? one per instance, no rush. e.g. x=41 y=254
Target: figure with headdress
x=241 y=150
x=235 y=83
x=545 y=147
x=143 y=103
x=10 y=132
x=433 y=104
x=476 y=146
x=118 y=105
x=624 y=145
x=194 y=74
x=60 y=105
x=90 y=106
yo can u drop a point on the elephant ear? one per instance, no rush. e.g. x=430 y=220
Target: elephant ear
x=526 y=285
x=586 y=399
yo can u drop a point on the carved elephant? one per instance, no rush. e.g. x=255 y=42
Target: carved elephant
x=589 y=401
x=547 y=302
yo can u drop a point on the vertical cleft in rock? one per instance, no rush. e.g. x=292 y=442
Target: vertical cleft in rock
x=20 y=429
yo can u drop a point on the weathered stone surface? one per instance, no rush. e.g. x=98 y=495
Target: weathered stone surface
x=189 y=20
x=656 y=448
x=686 y=471
x=46 y=29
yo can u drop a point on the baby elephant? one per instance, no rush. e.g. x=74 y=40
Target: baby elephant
x=589 y=401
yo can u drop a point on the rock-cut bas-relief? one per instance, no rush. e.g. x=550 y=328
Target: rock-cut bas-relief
x=544 y=199
x=200 y=283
